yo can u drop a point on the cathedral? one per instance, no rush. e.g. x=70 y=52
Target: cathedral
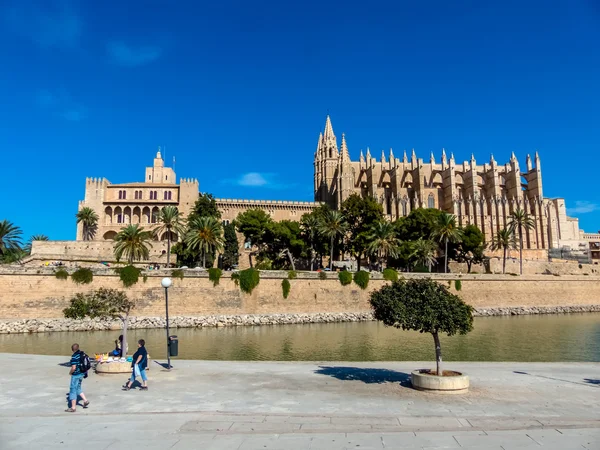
x=479 y=194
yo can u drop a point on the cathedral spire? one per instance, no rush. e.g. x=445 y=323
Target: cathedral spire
x=362 y=157
x=405 y=159
x=431 y=158
x=444 y=159
x=414 y=156
x=391 y=155
x=328 y=134
x=344 y=149
x=528 y=162
x=382 y=156
x=452 y=160
x=368 y=154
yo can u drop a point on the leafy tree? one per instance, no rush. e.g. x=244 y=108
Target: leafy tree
x=332 y=226
x=504 y=239
x=205 y=234
x=205 y=206
x=361 y=214
x=446 y=231
x=89 y=222
x=310 y=231
x=420 y=223
x=253 y=224
x=423 y=252
x=383 y=242
x=284 y=240
x=102 y=303
x=423 y=305
x=169 y=222
x=231 y=247
x=133 y=243
x=470 y=249
x=520 y=221
x=10 y=240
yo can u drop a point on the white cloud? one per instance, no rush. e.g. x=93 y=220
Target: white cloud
x=583 y=207
x=59 y=103
x=128 y=56
x=252 y=179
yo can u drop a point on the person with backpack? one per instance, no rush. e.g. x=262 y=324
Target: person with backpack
x=80 y=365
x=139 y=363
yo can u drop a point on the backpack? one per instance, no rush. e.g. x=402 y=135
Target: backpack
x=84 y=362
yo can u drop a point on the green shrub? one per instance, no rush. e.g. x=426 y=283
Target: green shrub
x=457 y=285
x=264 y=264
x=249 y=279
x=390 y=274
x=177 y=273
x=292 y=275
x=82 y=276
x=129 y=275
x=214 y=275
x=345 y=277
x=322 y=275
x=362 y=279
x=235 y=276
x=285 y=287
x=61 y=274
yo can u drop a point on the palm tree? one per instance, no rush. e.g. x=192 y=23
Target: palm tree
x=310 y=226
x=10 y=238
x=170 y=221
x=382 y=241
x=35 y=237
x=89 y=221
x=332 y=226
x=520 y=220
x=504 y=239
x=205 y=234
x=423 y=252
x=132 y=242
x=446 y=231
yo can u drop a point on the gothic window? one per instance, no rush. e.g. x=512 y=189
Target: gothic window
x=169 y=195
x=431 y=201
x=140 y=195
x=120 y=195
x=124 y=195
x=136 y=195
x=149 y=177
x=165 y=195
x=119 y=218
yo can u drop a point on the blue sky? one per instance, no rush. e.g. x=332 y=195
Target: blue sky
x=238 y=92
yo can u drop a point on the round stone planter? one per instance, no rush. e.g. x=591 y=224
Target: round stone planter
x=113 y=367
x=454 y=384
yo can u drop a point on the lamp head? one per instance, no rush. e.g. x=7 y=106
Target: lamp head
x=166 y=283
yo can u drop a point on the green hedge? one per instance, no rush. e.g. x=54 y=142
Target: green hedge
x=390 y=274
x=362 y=279
x=177 y=273
x=249 y=279
x=61 y=274
x=345 y=277
x=285 y=287
x=457 y=285
x=82 y=276
x=214 y=275
x=129 y=275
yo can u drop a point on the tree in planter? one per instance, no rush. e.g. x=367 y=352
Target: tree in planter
x=89 y=222
x=102 y=303
x=520 y=221
x=383 y=242
x=133 y=243
x=169 y=223
x=231 y=247
x=504 y=239
x=333 y=226
x=205 y=234
x=425 y=306
x=446 y=231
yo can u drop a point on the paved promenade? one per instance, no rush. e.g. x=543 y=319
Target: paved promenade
x=278 y=405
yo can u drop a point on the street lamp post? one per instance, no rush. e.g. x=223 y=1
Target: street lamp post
x=166 y=283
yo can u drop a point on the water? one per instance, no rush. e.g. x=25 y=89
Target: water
x=574 y=337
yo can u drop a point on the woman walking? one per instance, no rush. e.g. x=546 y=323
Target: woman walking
x=139 y=365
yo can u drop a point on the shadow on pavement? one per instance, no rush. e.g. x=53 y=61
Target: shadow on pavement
x=366 y=375
x=592 y=381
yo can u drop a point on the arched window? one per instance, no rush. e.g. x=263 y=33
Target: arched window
x=431 y=201
x=120 y=195
x=136 y=195
x=124 y=195
x=155 y=195
x=169 y=195
x=140 y=196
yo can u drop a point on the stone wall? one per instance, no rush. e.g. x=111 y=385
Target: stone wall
x=34 y=294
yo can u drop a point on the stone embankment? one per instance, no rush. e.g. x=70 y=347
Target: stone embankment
x=47 y=325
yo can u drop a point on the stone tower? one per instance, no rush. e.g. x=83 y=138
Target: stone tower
x=327 y=163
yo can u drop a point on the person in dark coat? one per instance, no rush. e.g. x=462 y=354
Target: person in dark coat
x=139 y=364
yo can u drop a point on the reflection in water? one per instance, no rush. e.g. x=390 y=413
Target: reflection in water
x=573 y=337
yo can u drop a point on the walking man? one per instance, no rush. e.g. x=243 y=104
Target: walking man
x=139 y=364
x=77 y=376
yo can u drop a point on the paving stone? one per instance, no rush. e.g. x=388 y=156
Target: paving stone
x=197 y=425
